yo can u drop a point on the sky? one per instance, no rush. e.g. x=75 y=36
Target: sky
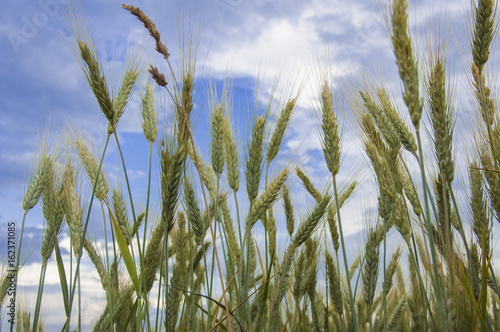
x=257 y=44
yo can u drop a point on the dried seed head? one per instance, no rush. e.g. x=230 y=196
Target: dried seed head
x=151 y=27
x=157 y=76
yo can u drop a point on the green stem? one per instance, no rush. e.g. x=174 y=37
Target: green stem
x=109 y=296
x=165 y=247
x=351 y=297
x=79 y=305
x=39 y=295
x=385 y=281
x=84 y=232
x=238 y=218
x=340 y=283
x=141 y=258
x=249 y=236
x=143 y=281
x=437 y=285
x=191 y=273
x=159 y=288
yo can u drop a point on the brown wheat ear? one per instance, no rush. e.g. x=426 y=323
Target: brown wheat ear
x=160 y=47
x=157 y=76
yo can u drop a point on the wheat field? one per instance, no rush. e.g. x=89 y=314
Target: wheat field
x=228 y=247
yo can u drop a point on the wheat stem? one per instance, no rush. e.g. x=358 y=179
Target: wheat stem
x=84 y=232
x=430 y=233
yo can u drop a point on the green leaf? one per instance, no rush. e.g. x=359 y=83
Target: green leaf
x=127 y=257
x=62 y=278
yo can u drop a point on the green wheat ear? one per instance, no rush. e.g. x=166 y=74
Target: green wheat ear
x=254 y=161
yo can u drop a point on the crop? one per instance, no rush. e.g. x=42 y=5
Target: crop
x=197 y=251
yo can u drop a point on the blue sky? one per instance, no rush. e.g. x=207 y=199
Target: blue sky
x=253 y=42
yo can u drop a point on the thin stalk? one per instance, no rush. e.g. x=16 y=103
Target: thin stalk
x=143 y=281
x=141 y=258
x=353 y=308
x=191 y=273
x=239 y=233
x=249 y=232
x=327 y=302
x=340 y=283
x=41 y=282
x=159 y=289
x=238 y=218
x=437 y=286
x=217 y=216
x=165 y=248
x=385 y=281
x=266 y=234
x=79 y=305
x=209 y=304
x=109 y=296
x=80 y=249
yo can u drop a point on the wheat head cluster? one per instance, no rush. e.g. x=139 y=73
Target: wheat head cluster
x=193 y=262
